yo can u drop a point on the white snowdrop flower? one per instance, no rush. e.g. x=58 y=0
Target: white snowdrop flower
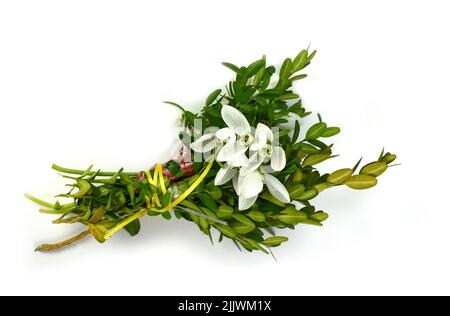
x=264 y=150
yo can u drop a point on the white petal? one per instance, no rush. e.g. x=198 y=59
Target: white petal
x=246 y=203
x=231 y=151
x=263 y=134
x=266 y=169
x=204 y=144
x=252 y=185
x=254 y=162
x=276 y=188
x=235 y=120
x=224 y=175
x=226 y=134
x=278 y=160
x=237 y=181
x=240 y=161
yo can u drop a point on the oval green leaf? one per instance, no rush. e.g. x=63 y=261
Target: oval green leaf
x=315 y=159
x=361 y=182
x=331 y=131
x=256 y=216
x=274 y=241
x=316 y=131
x=374 y=169
x=340 y=176
x=308 y=195
x=213 y=96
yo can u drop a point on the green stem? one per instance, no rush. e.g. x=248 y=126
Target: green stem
x=50 y=247
x=39 y=201
x=80 y=172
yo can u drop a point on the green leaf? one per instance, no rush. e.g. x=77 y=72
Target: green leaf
x=120 y=198
x=297 y=177
x=308 y=149
x=291 y=216
x=225 y=230
x=298 y=77
x=260 y=74
x=208 y=201
x=319 y=216
x=255 y=67
x=374 y=169
x=224 y=211
x=289 y=96
x=340 y=176
x=296 y=132
x=166 y=199
x=214 y=191
x=300 y=61
x=213 y=96
x=316 y=159
x=98 y=232
x=286 y=70
x=254 y=244
x=265 y=80
x=331 y=131
x=242 y=224
x=311 y=56
x=167 y=215
x=296 y=191
x=243 y=219
x=316 y=131
x=98 y=214
x=274 y=241
x=133 y=228
x=308 y=195
x=83 y=188
x=361 y=182
x=232 y=67
x=271 y=93
x=256 y=216
x=203 y=223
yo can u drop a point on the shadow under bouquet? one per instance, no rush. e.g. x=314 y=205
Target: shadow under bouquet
x=242 y=170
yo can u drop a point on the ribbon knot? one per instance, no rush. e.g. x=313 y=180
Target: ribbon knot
x=154 y=203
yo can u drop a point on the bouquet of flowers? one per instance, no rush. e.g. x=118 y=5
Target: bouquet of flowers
x=242 y=168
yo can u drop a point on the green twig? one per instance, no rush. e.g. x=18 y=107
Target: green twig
x=83 y=172
x=67 y=242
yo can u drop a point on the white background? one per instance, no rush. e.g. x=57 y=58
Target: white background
x=82 y=82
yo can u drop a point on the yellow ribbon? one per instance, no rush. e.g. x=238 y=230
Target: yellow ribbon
x=154 y=204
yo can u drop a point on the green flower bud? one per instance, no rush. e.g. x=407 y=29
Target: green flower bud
x=389 y=158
